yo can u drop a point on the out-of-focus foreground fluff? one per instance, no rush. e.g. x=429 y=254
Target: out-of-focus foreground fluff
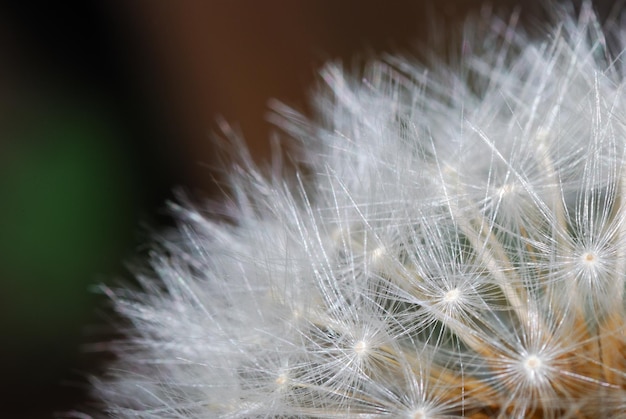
x=455 y=247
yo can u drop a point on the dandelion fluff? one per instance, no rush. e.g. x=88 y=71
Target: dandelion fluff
x=455 y=248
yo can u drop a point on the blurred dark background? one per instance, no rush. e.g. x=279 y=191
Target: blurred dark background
x=107 y=107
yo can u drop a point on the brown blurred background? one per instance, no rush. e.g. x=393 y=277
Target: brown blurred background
x=106 y=107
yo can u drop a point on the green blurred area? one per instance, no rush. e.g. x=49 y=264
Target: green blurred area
x=61 y=205
x=65 y=215
x=87 y=156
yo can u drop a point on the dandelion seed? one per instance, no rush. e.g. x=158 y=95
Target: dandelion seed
x=361 y=348
x=419 y=414
x=452 y=296
x=589 y=258
x=532 y=365
x=281 y=380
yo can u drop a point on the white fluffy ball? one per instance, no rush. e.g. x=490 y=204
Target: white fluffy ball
x=455 y=247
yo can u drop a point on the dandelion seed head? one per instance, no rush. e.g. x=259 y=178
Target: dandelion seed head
x=453 y=246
